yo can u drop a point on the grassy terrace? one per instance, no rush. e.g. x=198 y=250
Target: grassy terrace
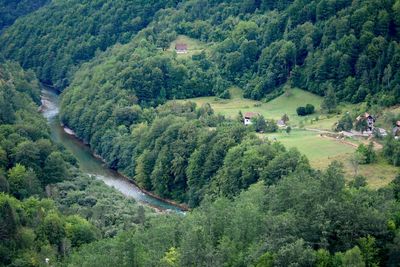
x=320 y=150
x=271 y=110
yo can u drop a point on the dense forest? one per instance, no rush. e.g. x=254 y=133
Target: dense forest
x=47 y=207
x=258 y=45
x=253 y=201
x=10 y=10
x=56 y=39
x=307 y=219
x=110 y=98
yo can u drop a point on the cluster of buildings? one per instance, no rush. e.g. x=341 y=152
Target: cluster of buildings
x=368 y=118
x=370 y=125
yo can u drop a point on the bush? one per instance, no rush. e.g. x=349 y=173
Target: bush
x=225 y=94
x=345 y=123
x=271 y=127
x=304 y=111
x=301 y=111
x=367 y=152
x=358 y=182
x=310 y=109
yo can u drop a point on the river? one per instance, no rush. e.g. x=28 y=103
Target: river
x=90 y=164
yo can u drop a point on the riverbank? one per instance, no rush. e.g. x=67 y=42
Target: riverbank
x=93 y=165
x=71 y=132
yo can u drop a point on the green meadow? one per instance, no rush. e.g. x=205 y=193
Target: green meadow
x=273 y=109
x=320 y=150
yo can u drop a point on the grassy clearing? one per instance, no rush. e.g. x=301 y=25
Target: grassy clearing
x=321 y=151
x=194 y=46
x=272 y=110
x=378 y=174
x=275 y=108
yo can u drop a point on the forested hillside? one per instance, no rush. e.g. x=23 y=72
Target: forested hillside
x=351 y=46
x=257 y=47
x=307 y=219
x=10 y=10
x=178 y=151
x=56 y=39
x=254 y=202
x=32 y=167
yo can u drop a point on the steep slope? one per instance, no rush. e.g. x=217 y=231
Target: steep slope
x=32 y=168
x=55 y=40
x=258 y=48
x=10 y=10
x=352 y=46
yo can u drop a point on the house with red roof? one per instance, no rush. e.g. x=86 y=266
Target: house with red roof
x=248 y=116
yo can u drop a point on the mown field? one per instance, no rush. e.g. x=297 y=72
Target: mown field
x=271 y=110
x=320 y=150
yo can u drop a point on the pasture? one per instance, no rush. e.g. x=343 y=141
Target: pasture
x=320 y=150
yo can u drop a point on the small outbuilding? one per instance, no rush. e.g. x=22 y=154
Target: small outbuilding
x=181 y=48
x=281 y=123
x=396 y=129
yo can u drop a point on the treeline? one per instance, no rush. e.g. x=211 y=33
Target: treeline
x=56 y=39
x=34 y=228
x=29 y=160
x=10 y=10
x=351 y=46
x=308 y=218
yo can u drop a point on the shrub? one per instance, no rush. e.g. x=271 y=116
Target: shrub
x=304 y=111
x=301 y=111
x=367 y=152
x=310 y=109
x=345 y=123
x=359 y=181
x=271 y=126
x=225 y=94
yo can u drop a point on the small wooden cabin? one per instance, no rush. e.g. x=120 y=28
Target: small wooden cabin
x=181 y=48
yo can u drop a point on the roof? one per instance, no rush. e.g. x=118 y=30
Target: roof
x=281 y=122
x=366 y=115
x=251 y=114
x=181 y=46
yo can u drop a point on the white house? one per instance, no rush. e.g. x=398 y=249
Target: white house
x=248 y=116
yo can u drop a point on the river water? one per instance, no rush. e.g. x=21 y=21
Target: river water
x=90 y=164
